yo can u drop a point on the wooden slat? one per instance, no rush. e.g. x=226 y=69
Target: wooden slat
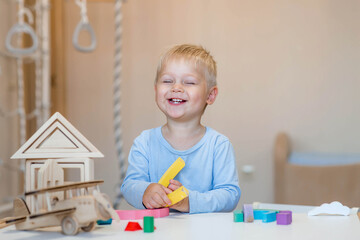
x=11 y=220
x=56 y=212
x=66 y=187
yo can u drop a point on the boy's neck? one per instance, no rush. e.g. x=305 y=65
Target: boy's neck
x=182 y=136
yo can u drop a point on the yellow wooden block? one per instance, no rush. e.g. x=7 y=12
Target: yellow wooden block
x=172 y=171
x=178 y=195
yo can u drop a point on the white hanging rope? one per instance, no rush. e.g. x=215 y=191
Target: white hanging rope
x=24 y=56
x=9 y=114
x=20 y=83
x=117 y=98
x=20 y=101
x=21 y=27
x=84 y=25
x=38 y=67
x=83 y=10
x=44 y=87
x=41 y=58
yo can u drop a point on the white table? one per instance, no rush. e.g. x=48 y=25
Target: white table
x=214 y=226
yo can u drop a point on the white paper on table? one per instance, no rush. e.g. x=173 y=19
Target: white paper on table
x=334 y=208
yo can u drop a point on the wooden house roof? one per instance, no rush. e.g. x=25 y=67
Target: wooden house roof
x=57 y=138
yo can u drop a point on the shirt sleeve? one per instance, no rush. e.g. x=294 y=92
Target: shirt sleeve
x=137 y=176
x=225 y=194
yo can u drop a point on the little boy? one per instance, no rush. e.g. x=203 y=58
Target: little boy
x=185 y=84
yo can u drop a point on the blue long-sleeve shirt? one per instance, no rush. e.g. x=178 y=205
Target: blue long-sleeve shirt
x=209 y=174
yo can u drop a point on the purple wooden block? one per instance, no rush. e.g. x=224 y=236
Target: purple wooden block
x=248 y=213
x=288 y=212
x=284 y=218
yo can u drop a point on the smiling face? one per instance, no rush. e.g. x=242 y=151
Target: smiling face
x=181 y=90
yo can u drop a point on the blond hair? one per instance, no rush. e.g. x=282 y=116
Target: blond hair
x=198 y=54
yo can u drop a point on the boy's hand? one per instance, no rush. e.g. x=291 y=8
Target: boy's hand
x=155 y=196
x=182 y=206
x=174 y=184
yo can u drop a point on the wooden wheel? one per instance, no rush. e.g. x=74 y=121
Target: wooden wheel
x=89 y=227
x=69 y=226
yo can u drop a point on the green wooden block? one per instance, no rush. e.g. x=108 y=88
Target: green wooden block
x=238 y=216
x=148 y=224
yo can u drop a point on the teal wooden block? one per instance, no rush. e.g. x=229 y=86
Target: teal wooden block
x=271 y=210
x=238 y=216
x=106 y=222
x=269 y=217
x=259 y=214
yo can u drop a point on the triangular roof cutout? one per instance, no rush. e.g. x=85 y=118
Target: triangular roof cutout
x=57 y=138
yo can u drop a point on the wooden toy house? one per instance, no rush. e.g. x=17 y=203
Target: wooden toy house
x=56 y=146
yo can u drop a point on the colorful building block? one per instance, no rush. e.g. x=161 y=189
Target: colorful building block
x=171 y=172
x=271 y=210
x=248 y=213
x=139 y=214
x=133 y=226
x=269 y=216
x=259 y=214
x=178 y=195
x=148 y=224
x=284 y=218
x=238 y=216
x=104 y=222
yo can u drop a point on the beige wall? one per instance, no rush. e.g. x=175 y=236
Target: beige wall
x=282 y=65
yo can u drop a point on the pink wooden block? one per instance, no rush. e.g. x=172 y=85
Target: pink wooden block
x=139 y=214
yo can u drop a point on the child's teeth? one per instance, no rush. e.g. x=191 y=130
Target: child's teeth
x=176 y=100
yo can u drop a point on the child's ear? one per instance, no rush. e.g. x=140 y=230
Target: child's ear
x=212 y=95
